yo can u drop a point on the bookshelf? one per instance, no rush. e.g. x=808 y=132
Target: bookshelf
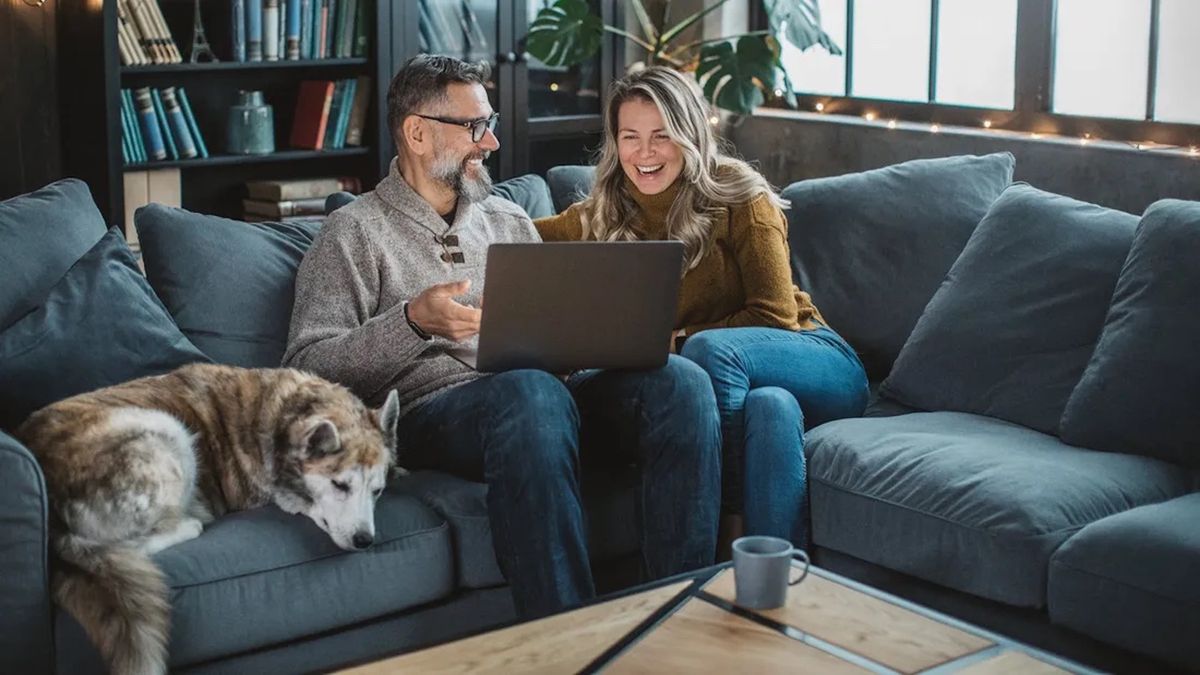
x=92 y=114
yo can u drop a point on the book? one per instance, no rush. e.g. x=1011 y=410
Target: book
x=254 y=30
x=322 y=30
x=358 y=111
x=134 y=128
x=178 y=124
x=361 y=24
x=148 y=121
x=292 y=31
x=161 y=186
x=299 y=188
x=186 y=105
x=297 y=207
x=270 y=30
x=335 y=108
x=312 y=114
x=314 y=50
x=164 y=128
x=141 y=27
x=237 y=14
x=305 y=28
x=345 y=38
x=281 y=48
x=164 y=33
x=129 y=131
x=344 y=114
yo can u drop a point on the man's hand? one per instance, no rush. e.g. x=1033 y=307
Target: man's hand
x=437 y=313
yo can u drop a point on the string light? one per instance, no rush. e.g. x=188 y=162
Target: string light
x=870 y=117
x=935 y=129
x=820 y=107
x=987 y=124
x=892 y=124
x=1035 y=135
x=714 y=120
x=553 y=86
x=1194 y=151
x=778 y=93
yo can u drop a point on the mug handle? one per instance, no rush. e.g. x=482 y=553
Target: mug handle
x=800 y=555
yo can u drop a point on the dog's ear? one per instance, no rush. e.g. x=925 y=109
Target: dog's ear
x=321 y=440
x=388 y=415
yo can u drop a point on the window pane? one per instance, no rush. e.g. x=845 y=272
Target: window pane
x=1178 y=56
x=1102 y=58
x=891 y=49
x=572 y=90
x=816 y=71
x=977 y=49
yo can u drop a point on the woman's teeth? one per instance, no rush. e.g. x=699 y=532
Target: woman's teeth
x=646 y=170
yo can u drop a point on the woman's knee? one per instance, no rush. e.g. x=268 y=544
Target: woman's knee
x=773 y=405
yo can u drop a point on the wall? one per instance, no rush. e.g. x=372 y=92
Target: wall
x=793 y=146
x=30 y=145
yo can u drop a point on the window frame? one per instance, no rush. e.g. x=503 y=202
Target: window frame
x=1033 y=106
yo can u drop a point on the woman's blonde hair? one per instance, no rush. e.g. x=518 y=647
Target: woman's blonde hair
x=711 y=178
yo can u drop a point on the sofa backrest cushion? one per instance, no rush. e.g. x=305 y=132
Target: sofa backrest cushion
x=229 y=284
x=569 y=184
x=1010 y=331
x=1140 y=392
x=872 y=247
x=42 y=234
x=100 y=325
x=529 y=192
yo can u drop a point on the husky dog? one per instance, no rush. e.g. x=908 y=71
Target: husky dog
x=138 y=467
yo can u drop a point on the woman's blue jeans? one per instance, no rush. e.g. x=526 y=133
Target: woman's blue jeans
x=772 y=384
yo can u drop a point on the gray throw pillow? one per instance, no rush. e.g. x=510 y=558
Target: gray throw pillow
x=872 y=247
x=228 y=284
x=42 y=234
x=1011 y=329
x=1140 y=393
x=569 y=184
x=528 y=192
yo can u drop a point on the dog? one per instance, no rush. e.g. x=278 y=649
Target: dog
x=135 y=468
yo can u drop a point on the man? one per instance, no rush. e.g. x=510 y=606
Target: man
x=395 y=279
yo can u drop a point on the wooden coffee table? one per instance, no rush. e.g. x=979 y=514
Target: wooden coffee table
x=830 y=624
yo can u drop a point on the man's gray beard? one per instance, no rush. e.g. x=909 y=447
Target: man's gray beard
x=454 y=176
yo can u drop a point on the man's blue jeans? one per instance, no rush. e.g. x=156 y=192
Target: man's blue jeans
x=522 y=433
x=771 y=385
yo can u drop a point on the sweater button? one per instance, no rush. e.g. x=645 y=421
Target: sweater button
x=445 y=256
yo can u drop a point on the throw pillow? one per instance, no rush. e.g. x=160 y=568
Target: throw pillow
x=42 y=234
x=100 y=325
x=872 y=247
x=1011 y=329
x=569 y=184
x=228 y=284
x=528 y=192
x=1141 y=390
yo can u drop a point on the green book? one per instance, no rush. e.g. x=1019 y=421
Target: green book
x=360 y=30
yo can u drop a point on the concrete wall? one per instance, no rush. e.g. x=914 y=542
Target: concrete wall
x=793 y=146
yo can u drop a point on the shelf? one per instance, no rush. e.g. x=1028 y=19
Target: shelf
x=178 y=68
x=226 y=160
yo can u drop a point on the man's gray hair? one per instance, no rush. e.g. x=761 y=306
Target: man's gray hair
x=422 y=81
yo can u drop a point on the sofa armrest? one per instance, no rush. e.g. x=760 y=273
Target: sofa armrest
x=26 y=613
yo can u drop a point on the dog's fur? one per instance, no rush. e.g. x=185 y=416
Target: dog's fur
x=141 y=466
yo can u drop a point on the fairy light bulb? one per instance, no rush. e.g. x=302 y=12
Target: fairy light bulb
x=892 y=124
x=987 y=124
x=935 y=129
x=820 y=107
x=553 y=86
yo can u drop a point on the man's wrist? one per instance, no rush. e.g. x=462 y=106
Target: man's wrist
x=420 y=332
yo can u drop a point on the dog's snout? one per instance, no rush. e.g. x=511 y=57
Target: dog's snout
x=363 y=540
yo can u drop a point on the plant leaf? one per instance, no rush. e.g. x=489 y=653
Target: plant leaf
x=799 y=21
x=565 y=33
x=734 y=75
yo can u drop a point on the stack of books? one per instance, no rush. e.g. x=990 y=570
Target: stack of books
x=286 y=200
x=330 y=114
x=157 y=125
x=451 y=28
x=142 y=34
x=273 y=30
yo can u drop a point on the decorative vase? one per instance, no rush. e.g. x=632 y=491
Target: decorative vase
x=251 y=125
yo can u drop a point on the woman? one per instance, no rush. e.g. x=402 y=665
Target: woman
x=775 y=366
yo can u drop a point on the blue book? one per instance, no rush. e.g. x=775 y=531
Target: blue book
x=137 y=139
x=130 y=115
x=331 y=123
x=148 y=121
x=178 y=124
x=164 y=129
x=314 y=49
x=237 y=12
x=305 y=27
x=191 y=120
x=127 y=151
x=344 y=113
x=292 y=30
x=254 y=30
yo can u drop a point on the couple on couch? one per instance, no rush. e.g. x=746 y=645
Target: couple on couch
x=396 y=278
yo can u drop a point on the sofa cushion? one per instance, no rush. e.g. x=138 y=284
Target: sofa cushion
x=1010 y=331
x=528 y=192
x=872 y=247
x=967 y=501
x=570 y=184
x=1141 y=389
x=42 y=234
x=99 y=325
x=261 y=577
x=1131 y=580
x=229 y=284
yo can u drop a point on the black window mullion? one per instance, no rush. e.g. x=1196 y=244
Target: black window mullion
x=849 y=47
x=934 y=16
x=1035 y=56
x=1152 y=80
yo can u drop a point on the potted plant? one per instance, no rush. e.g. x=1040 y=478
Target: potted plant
x=736 y=72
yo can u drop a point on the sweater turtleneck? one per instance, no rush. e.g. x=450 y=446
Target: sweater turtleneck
x=654 y=208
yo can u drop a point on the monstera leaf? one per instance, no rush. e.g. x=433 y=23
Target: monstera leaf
x=800 y=21
x=734 y=74
x=565 y=33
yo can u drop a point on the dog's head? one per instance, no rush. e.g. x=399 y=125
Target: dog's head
x=335 y=461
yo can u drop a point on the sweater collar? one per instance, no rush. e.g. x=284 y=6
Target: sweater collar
x=654 y=208
x=398 y=194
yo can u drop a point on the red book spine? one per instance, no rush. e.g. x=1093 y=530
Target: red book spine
x=312 y=114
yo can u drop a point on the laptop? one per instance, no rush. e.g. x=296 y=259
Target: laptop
x=566 y=306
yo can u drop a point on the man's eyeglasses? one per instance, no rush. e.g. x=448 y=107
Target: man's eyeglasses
x=477 y=127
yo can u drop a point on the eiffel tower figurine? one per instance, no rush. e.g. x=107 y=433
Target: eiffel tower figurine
x=200 y=47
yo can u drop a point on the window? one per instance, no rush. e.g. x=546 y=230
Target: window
x=976 y=53
x=1178 y=85
x=1102 y=59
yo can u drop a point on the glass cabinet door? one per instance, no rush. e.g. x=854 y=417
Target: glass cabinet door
x=560 y=91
